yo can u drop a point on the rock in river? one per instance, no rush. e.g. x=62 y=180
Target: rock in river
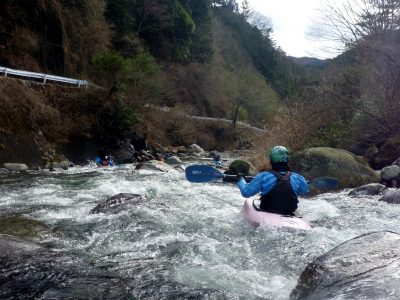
x=366 y=267
x=119 y=202
x=352 y=171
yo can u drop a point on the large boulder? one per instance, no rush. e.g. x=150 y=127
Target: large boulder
x=154 y=165
x=31 y=271
x=196 y=149
x=242 y=166
x=15 y=167
x=122 y=201
x=370 y=155
x=391 y=175
x=25 y=228
x=392 y=197
x=396 y=162
x=366 y=267
x=173 y=160
x=352 y=171
x=388 y=153
x=368 y=190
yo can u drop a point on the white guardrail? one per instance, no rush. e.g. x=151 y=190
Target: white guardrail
x=46 y=77
x=79 y=83
x=166 y=109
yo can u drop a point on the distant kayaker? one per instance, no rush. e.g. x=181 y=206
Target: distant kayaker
x=279 y=187
x=217 y=159
x=106 y=162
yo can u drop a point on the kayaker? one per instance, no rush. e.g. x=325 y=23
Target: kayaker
x=217 y=159
x=106 y=162
x=279 y=187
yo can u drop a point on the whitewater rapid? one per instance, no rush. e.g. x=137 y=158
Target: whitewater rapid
x=197 y=232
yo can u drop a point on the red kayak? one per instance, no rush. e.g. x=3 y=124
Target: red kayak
x=256 y=218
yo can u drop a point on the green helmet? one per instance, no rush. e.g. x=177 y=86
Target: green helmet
x=279 y=154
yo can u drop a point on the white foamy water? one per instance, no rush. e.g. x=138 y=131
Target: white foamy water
x=197 y=227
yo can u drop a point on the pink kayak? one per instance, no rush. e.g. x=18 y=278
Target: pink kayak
x=256 y=218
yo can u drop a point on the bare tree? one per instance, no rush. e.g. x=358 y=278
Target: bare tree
x=371 y=29
x=262 y=22
x=245 y=9
x=347 y=23
x=152 y=16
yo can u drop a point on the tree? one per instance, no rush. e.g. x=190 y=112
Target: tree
x=246 y=9
x=262 y=22
x=354 y=21
x=370 y=29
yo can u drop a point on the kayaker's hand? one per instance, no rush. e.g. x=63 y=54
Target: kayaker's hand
x=240 y=176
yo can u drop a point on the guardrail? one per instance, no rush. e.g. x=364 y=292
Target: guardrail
x=46 y=77
x=79 y=83
x=166 y=109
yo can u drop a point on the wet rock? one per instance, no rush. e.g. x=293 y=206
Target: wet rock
x=14 y=246
x=182 y=155
x=64 y=165
x=173 y=160
x=390 y=172
x=368 y=190
x=396 y=162
x=30 y=271
x=4 y=171
x=366 y=267
x=241 y=166
x=352 y=171
x=139 y=142
x=154 y=165
x=150 y=281
x=181 y=149
x=14 y=167
x=144 y=155
x=179 y=168
x=196 y=155
x=125 y=154
x=119 y=202
x=391 y=176
x=393 y=197
x=25 y=228
x=196 y=149
x=370 y=155
x=388 y=153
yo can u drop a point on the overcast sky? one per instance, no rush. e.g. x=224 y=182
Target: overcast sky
x=290 y=20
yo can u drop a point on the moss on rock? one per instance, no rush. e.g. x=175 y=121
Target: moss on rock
x=352 y=171
x=24 y=228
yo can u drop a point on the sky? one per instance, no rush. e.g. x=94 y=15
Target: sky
x=290 y=19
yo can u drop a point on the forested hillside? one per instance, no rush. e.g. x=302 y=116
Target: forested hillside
x=197 y=57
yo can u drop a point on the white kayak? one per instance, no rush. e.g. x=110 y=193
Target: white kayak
x=257 y=218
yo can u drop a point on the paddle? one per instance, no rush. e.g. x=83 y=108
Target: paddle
x=201 y=173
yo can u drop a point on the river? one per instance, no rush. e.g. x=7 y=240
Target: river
x=198 y=234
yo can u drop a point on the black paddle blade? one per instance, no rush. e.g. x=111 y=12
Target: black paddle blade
x=324 y=183
x=200 y=173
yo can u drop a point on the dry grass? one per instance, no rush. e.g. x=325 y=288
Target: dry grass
x=288 y=131
x=24 y=108
x=56 y=110
x=173 y=129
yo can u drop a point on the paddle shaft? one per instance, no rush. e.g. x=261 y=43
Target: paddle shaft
x=201 y=173
x=322 y=183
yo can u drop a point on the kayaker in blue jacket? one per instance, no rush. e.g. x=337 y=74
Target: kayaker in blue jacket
x=279 y=187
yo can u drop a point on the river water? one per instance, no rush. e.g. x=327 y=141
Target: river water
x=198 y=234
